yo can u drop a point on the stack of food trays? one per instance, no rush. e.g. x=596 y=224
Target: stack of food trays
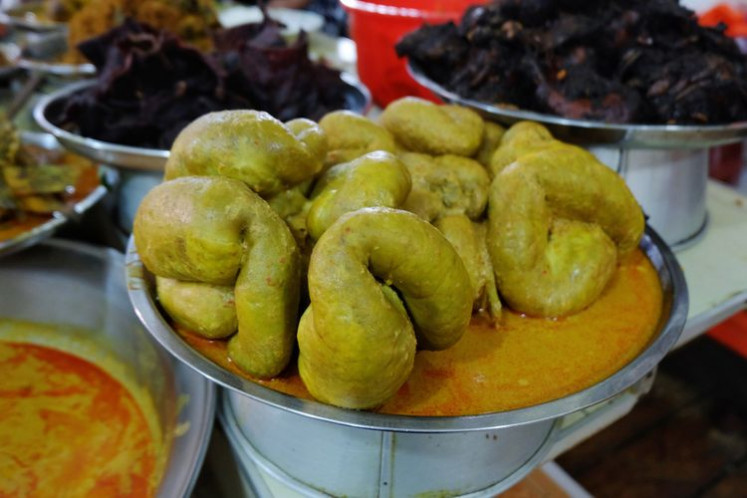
x=654 y=130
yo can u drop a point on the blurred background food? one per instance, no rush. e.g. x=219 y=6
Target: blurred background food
x=36 y=182
x=150 y=83
x=609 y=61
x=193 y=21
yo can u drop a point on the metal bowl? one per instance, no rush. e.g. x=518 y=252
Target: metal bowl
x=595 y=132
x=40 y=52
x=358 y=99
x=12 y=54
x=82 y=286
x=313 y=433
x=29 y=15
x=58 y=218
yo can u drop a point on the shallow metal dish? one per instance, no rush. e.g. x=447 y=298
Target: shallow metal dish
x=320 y=448
x=357 y=99
x=30 y=16
x=12 y=54
x=78 y=285
x=594 y=132
x=674 y=313
x=58 y=218
x=40 y=51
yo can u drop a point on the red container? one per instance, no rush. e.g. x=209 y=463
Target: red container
x=376 y=26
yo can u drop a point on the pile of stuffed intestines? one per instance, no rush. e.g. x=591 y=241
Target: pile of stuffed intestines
x=363 y=241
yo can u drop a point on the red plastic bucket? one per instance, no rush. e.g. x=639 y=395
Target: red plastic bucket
x=376 y=26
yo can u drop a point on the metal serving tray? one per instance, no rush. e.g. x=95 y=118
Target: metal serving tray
x=360 y=453
x=40 y=53
x=358 y=99
x=594 y=132
x=142 y=294
x=58 y=218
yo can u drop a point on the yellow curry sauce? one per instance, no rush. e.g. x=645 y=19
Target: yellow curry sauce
x=67 y=424
x=523 y=362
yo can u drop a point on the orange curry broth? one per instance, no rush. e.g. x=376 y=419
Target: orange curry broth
x=87 y=182
x=522 y=362
x=66 y=424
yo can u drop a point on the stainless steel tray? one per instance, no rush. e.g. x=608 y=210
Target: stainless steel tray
x=82 y=286
x=593 y=132
x=142 y=295
x=59 y=218
x=40 y=51
x=12 y=54
x=358 y=99
x=103 y=152
x=25 y=15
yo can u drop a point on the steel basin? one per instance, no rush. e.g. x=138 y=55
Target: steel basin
x=324 y=449
x=74 y=284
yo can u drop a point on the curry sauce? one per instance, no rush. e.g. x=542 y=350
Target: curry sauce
x=67 y=424
x=523 y=361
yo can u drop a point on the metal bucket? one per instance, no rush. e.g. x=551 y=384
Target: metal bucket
x=670 y=184
x=68 y=283
x=360 y=453
x=262 y=478
x=312 y=456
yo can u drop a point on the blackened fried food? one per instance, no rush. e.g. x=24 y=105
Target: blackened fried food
x=616 y=61
x=277 y=76
x=150 y=84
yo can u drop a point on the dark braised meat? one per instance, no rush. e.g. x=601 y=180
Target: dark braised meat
x=150 y=85
x=617 y=61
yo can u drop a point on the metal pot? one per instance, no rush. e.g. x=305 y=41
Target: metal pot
x=73 y=284
x=359 y=453
x=669 y=183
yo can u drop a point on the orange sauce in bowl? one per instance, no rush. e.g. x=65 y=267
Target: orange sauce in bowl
x=67 y=424
x=520 y=362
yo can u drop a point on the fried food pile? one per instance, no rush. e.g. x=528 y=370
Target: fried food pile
x=193 y=21
x=613 y=61
x=150 y=83
x=29 y=182
x=63 y=10
x=389 y=234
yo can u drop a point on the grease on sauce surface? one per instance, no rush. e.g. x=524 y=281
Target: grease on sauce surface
x=523 y=362
x=66 y=424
